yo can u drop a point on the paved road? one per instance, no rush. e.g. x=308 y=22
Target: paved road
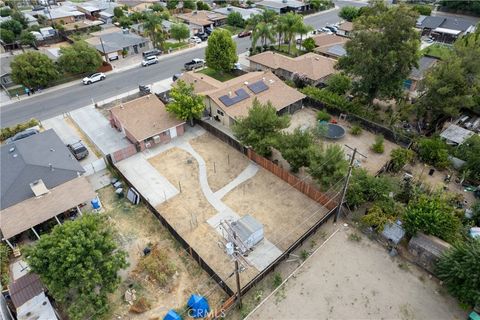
x=67 y=99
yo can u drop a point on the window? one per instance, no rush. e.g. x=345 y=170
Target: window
x=126 y=48
x=141 y=45
x=220 y=112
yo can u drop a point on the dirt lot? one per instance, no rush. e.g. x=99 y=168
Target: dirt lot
x=223 y=162
x=354 y=278
x=306 y=118
x=138 y=228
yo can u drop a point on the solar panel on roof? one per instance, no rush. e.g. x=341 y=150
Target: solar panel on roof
x=240 y=95
x=258 y=87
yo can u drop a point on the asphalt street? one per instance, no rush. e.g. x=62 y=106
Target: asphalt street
x=63 y=100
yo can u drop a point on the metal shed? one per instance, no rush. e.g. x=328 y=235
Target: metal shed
x=249 y=231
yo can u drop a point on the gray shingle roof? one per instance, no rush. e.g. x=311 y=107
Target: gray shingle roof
x=118 y=40
x=431 y=22
x=41 y=156
x=424 y=64
x=456 y=24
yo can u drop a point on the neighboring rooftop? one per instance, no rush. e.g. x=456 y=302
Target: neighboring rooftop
x=145 y=117
x=201 y=17
x=116 y=41
x=40 y=156
x=280 y=4
x=326 y=40
x=346 y=26
x=25 y=288
x=236 y=96
x=246 y=13
x=424 y=64
x=312 y=65
x=450 y=23
x=456 y=135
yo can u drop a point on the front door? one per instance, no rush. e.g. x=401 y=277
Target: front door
x=135 y=48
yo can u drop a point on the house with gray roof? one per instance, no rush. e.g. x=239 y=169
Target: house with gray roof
x=122 y=41
x=246 y=13
x=6 y=71
x=284 y=6
x=412 y=84
x=444 y=29
x=40 y=180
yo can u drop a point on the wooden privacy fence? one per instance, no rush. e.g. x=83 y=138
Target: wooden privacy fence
x=305 y=188
x=124 y=153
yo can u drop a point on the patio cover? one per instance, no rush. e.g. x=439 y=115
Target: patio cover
x=447 y=31
x=28 y=213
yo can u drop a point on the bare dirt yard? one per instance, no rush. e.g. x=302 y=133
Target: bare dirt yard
x=223 y=162
x=306 y=118
x=352 y=277
x=138 y=228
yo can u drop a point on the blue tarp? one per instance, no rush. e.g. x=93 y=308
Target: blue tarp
x=199 y=306
x=172 y=315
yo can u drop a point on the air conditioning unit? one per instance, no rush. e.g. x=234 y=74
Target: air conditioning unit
x=148 y=145
x=156 y=139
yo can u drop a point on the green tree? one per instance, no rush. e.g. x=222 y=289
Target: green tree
x=328 y=165
x=118 y=12
x=79 y=58
x=5 y=12
x=33 y=69
x=469 y=151
x=186 y=105
x=381 y=213
x=433 y=151
x=153 y=27
x=296 y=148
x=462 y=5
x=263 y=31
x=189 y=4
x=179 y=31
x=309 y=44
x=291 y=23
x=20 y=17
x=156 y=7
x=423 y=9
x=202 y=6
x=459 y=269
x=434 y=215
x=79 y=263
x=172 y=4
x=318 y=5
x=125 y=22
x=221 y=52
x=349 y=13
x=27 y=38
x=400 y=157
x=365 y=188
x=303 y=29
x=12 y=25
x=7 y=36
x=235 y=19
x=260 y=128
x=382 y=51
x=339 y=84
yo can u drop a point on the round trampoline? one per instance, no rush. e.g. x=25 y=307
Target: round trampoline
x=333 y=131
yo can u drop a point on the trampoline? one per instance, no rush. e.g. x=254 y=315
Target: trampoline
x=333 y=131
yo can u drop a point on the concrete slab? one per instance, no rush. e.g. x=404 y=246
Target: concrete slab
x=246 y=174
x=99 y=179
x=98 y=130
x=146 y=179
x=263 y=254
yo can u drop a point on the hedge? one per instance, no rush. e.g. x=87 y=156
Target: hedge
x=11 y=131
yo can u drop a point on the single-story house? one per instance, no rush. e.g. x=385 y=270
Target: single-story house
x=330 y=45
x=105 y=16
x=146 y=122
x=455 y=135
x=198 y=20
x=32 y=21
x=230 y=100
x=417 y=74
x=6 y=71
x=345 y=29
x=114 y=43
x=29 y=299
x=444 y=29
x=312 y=67
x=40 y=180
x=91 y=11
x=59 y=15
x=246 y=13
x=284 y=6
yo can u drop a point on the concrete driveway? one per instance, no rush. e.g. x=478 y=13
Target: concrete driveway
x=98 y=129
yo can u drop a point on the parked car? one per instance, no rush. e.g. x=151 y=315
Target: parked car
x=237 y=66
x=78 y=150
x=195 y=40
x=332 y=28
x=208 y=30
x=154 y=52
x=325 y=30
x=149 y=61
x=202 y=36
x=94 y=78
x=194 y=64
x=22 y=135
x=244 y=34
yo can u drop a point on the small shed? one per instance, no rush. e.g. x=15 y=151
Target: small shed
x=198 y=305
x=393 y=233
x=427 y=250
x=249 y=231
x=455 y=135
x=172 y=315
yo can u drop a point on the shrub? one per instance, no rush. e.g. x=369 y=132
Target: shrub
x=366 y=188
x=277 y=280
x=433 y=151
x=308 y=44
x=158 y=265
x=423 y=9
x=432 y=215
x=459 y=268
x=378 y=146
x=323 y=116
x=11 y=131
x=381 y=213
x=140 y=305
x=356 y=130
x=400 y=157
x=4 y=260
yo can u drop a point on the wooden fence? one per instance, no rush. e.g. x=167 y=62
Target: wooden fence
x=124 y=153
x=302 y=186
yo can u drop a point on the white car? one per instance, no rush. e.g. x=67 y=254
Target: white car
x=149 y=61
x=94 y=78
x=195 y=40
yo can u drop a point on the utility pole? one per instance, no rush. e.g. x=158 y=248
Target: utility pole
x=345 y=186
x=237 y=271
x=103 y=49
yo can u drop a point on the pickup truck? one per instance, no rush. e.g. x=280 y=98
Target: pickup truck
x=194 y=64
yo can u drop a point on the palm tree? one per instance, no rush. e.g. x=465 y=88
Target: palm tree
x=263 y=31
x=280 y=30
x=268 y=16
x=291 y=21
x=154 y=29
x=303 y=29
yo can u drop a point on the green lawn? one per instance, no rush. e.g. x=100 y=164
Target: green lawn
x=175 y=45
x=437 y=50
x=217 y=75
x=233 y=30
x=294 y=52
